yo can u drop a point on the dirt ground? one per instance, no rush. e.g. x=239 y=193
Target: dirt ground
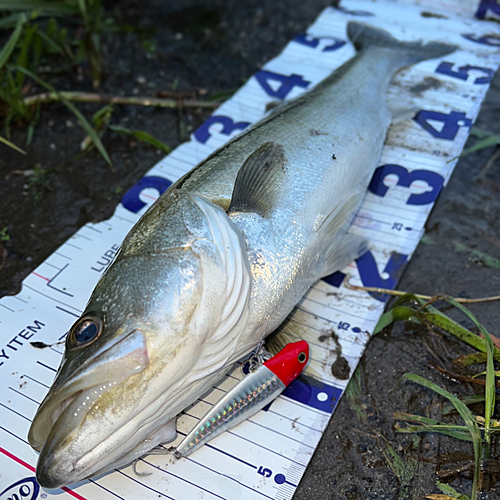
x=212 y=46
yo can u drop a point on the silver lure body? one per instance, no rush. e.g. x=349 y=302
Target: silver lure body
x=216 y=264
x=253 y=393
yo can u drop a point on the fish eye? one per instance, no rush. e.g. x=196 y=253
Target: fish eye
x=302 y=357
x=86 y=330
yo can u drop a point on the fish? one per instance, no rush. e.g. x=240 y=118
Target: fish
x=217 y=263
x=254 y=392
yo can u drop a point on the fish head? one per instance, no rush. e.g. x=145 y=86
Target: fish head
x=138 y=354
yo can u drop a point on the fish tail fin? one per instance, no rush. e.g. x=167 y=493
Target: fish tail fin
x=364 y=37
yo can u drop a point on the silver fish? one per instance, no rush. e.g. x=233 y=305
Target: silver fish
x=216 y=264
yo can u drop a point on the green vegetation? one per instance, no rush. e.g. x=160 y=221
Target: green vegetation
x=12 y=145
x=142 y=136
x=46 y=38
x=37 y=45
x=3 y=234
x=487 y=140
x=475 y=429
x=403 y=470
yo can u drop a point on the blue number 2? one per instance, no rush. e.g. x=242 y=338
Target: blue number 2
x=368 y=272
x=492 y=40
x=485 y=6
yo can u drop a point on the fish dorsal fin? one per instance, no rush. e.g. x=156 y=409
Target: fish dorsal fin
x=259 y=181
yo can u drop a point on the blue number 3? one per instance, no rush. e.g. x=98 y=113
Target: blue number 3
x=405 y=179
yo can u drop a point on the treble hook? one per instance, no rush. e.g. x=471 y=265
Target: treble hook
x=136 y=472
x=155 y=451
x=260 y=356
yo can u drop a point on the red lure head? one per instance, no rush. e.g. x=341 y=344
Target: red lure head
x=288 y=364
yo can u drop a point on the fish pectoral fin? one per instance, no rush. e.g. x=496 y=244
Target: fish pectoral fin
x=337 y=248
x=259 y=181
x=338 y=219
x=340 y=255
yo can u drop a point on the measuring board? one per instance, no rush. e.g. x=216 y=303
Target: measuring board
x=265 y=456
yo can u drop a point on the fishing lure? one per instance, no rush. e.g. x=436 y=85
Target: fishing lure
x=250 y=395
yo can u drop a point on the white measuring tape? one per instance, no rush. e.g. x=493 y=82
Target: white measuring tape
x=265 y=456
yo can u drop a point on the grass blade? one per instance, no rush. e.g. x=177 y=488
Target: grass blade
x=473 y=358
x=83 y=121
x=461 y=434
x=492 y=140
x=431 y=425
x=468 y=418
x=467 y=400
x=141 y=136
x=8 y=22
x=22 y=59
x=44 y=7
x=50 y=42
x=8 y=48
x=397 y=313
x=404 y=471
x=11 y=145
x=490 y=368
x=452 y=492
x=444 y=322
x=83 y=10
x=479 y=133
x=222 y=96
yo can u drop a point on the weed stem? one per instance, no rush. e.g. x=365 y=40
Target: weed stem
x=400 y=293
x=114 y=99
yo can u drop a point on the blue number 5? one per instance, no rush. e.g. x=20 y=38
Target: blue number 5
x=446 y=68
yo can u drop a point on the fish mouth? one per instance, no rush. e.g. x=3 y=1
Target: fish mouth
x=56 y=464
x=69 y=405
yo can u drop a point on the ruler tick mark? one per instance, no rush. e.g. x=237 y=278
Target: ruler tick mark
x=37 y=381
x=46 y=366
x=40 y=276
x=69 y=312
x=62 y=255
x=24 y=395
x=16 y=412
